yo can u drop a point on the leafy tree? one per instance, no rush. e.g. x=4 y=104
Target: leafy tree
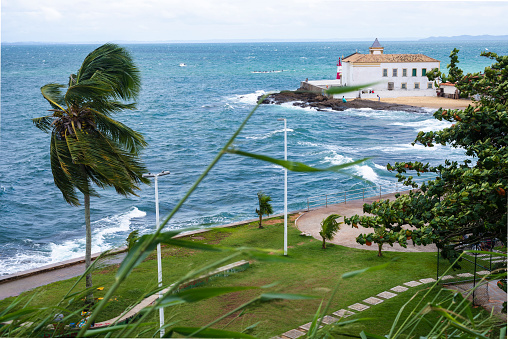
x=465 y=205
x=454 y=73
x=387 y=221
x=87 y=146
x=329 y=226
x=265 y=208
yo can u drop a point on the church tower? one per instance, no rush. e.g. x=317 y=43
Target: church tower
x=376 y=48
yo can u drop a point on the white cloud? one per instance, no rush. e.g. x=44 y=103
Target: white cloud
x=156 y=20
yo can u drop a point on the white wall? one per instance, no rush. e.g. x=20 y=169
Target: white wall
x=359 y=74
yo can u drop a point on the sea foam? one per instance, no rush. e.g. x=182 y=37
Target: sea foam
x=102 y=230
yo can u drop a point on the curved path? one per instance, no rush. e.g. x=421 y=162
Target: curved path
x=346 y=236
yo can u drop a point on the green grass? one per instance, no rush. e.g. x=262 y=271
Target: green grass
x=314 y=272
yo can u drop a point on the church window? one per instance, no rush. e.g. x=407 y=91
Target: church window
x=394 y=72
x=417 y=85
x=414 y=72
x=385 y=72
x=404 y=72
x=424 y=72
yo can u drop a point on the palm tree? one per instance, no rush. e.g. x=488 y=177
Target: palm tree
x=265 y=208
x=88 y=146
x=329 y=226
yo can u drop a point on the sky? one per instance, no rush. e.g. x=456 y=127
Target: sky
x=82 y=21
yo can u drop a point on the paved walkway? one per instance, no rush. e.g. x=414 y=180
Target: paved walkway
x=495 y=303
x=15 y=287
x=310 y=222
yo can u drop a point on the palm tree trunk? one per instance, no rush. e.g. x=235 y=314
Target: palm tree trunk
x=88 y=248
x=324 y=243
x=260 y=219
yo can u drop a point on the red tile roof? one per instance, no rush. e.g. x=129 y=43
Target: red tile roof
x=383 y=58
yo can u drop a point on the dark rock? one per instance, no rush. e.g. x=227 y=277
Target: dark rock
x=316 y=100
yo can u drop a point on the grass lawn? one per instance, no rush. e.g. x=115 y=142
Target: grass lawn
x=313 y=272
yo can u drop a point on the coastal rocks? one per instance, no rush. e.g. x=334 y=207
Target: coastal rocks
x=322 y=103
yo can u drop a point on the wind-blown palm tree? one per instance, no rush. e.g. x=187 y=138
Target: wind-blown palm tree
x=329 y=226
x=88 y=146
x=265 y=208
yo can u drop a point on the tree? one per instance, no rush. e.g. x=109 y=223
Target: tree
x=454 y=73
x=465 y=205
x=329 y=226
x=387 y=221
x=265 y=208
x=87 y=146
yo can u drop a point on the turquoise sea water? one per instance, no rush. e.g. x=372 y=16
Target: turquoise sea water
x=186 y=114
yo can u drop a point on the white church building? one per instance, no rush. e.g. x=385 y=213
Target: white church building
x=395 y=75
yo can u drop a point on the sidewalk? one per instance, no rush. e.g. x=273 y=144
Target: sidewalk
x=310 y=223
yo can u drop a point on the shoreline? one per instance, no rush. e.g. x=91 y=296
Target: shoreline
x=306 y=99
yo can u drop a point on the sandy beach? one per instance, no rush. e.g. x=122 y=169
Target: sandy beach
x=430 y=102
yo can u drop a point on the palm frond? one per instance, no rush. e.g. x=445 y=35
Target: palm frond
x=87 y=90
x=53 y=94
x=106 y=106
x=107 y=163
x=112 y=65
x=44 y=123
x=60 y=163
x=129 y=139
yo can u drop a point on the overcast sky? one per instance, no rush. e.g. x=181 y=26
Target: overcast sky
x=202 y=20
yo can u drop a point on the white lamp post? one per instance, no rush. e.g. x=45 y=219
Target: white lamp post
x=159 y=262
x=285 y=189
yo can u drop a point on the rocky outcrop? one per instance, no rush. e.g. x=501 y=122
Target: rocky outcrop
x=321 y=103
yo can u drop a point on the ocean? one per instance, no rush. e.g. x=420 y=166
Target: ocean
x=186 y=114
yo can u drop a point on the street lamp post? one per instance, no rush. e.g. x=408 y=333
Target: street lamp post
x=285 y=189
x=159 y=261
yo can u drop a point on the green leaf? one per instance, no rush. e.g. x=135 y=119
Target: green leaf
x=295 y=166
x=346 y=89
x=283 y=296
x=208 y=333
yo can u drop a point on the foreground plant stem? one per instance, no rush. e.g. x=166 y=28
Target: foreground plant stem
x=119 y=279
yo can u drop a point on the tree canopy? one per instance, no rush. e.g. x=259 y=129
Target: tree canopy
x=466 y=203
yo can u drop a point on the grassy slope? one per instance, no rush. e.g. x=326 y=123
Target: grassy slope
x=314 y=272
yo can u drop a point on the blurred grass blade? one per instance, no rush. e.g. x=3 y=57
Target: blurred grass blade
x=16 y=314
x=368 y=269
x=208 y=333
x=346 y=89
x=365 y=335
x=293 y=165
x=192 y=245
x=269 y=257
x=251 y=327
x=283 y=296
x=501 y=254
x=502 y=333
x=106 y=330
x=135 y=256
x=199 y=294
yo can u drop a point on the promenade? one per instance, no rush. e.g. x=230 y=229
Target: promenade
x=308 y=222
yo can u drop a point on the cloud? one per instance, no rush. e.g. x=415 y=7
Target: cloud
x=156 y=20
